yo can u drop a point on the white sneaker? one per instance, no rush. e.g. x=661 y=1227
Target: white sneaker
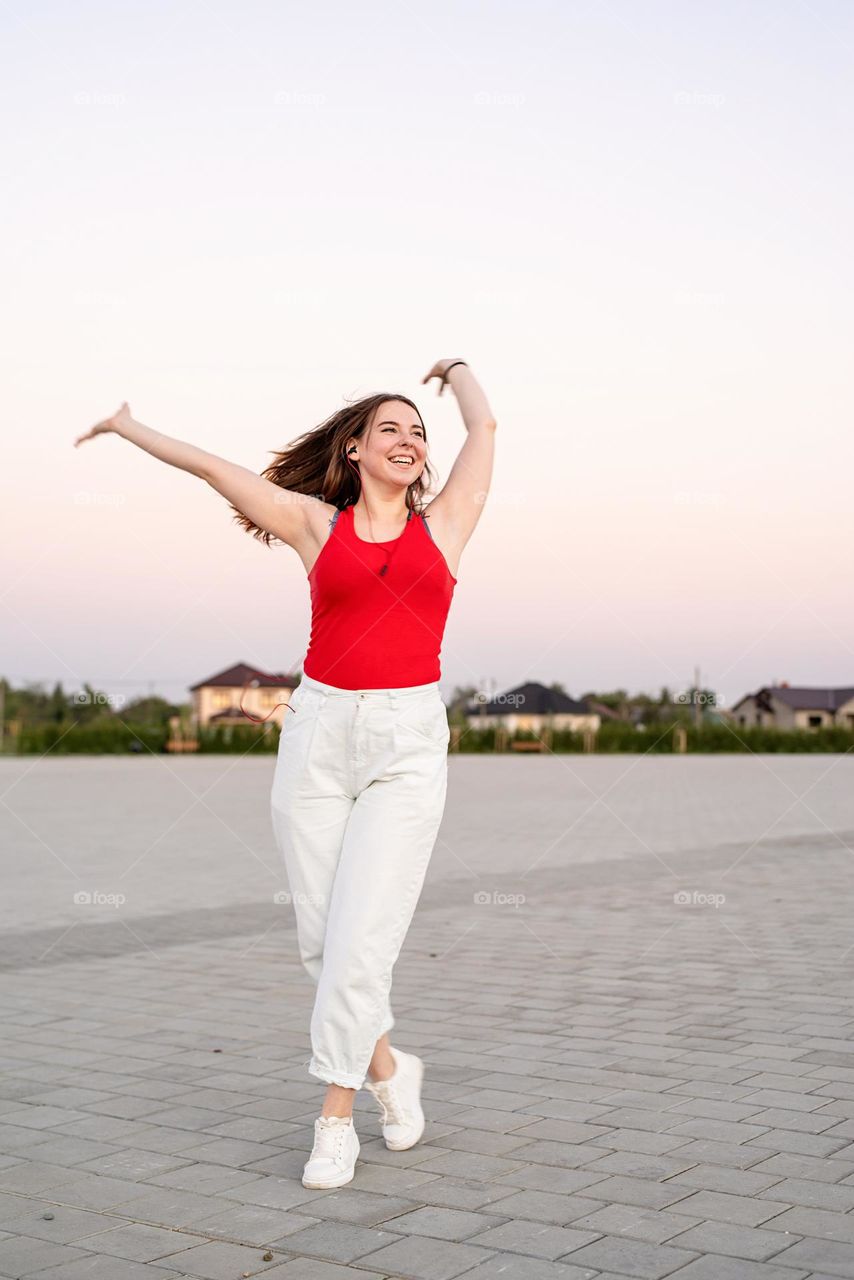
x=332 y=1162
x=400 y=1099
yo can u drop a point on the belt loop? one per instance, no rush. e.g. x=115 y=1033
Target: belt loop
x=393 y=701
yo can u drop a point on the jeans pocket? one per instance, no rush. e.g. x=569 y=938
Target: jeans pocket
x=302 y=707
x=427 y=720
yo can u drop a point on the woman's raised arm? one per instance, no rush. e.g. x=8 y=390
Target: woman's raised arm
x=280 y=512
x=458 y=506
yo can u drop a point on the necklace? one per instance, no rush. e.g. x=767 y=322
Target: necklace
x=395 y=541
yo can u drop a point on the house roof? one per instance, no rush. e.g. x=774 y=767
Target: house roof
x=242 y=674
x=530 y=699
x=800 y=699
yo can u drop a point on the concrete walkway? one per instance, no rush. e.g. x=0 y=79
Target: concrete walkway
x=631 y=979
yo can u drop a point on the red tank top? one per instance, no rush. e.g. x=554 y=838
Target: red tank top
x=372 y=632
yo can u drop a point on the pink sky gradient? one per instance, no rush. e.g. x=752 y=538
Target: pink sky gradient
x=633 y=223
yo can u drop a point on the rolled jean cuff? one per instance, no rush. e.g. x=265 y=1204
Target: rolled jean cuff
x=344 y=1079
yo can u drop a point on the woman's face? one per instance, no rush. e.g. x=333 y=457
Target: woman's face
x=393 y=449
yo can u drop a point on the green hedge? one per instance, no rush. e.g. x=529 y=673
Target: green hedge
x=110 y=737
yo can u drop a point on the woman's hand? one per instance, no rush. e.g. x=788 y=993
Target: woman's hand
x=440 y=368
x=120 y=419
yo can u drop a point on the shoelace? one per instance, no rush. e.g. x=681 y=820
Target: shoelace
x=328 y=1141
x=394 y=1111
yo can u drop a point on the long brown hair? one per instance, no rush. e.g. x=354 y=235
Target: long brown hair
x=315 y=464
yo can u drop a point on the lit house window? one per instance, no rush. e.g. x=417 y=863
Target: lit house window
x=221 y=699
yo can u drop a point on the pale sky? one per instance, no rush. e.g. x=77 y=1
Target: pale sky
x=633 y=220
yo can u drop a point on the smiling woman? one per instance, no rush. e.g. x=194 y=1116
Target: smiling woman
x=361 y=771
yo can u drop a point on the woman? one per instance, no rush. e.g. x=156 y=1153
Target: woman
x=361 y=773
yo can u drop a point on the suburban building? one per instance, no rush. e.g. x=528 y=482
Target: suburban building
x=533 y=707
x=780 y=706
x=217 y=699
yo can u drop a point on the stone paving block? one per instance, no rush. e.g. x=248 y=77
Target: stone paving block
x=813 y=1195
x=631 y=1257
x=168 y=1208
x=813 y=1169
x=132 y=1163
x=337 y=1241
x=653 y=1225
x=234 y=1152
x=64 y=1226
x=349 y=1204
x=563 y=1131
x=541 y=1206
x=638 y=1191
x=537 y=1239
x=635 y=1118
x=752 y=1243
x=220 y=1261
x=387 y=1180
x=444 y=1223
x=42 y=1117
x=463 y=1164
x=720 y=1207
x=315 y=1269
x=718 y=1267
x=519 y=1267
x=813 y=1255
x=638 y=1165
x=272 y=1192
x=459 y=1193
x=799 y=1121
x=34 y=1176
x=718 y=1130
x=737 y=1182
x=253 y=1224
x=20 y=1254
x=815 y=1222
x=139 y=1242
x=425 y=1258
x=101 y=1267
x=640 y=1140
x=563 y=1155
x=213 y=1179
x=541 y=1177
x=186 y=1117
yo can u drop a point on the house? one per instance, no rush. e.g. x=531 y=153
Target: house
x=217 y=699
x=533 y=707
x=780 y=706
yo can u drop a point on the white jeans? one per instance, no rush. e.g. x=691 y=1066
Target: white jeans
x=357 y=800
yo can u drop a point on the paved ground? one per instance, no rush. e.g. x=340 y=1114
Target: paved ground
x=620 y=1083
